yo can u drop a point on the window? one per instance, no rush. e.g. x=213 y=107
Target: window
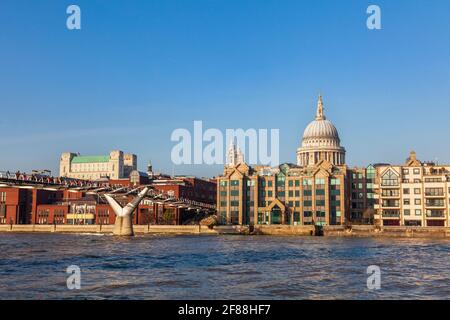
x=320 y=192
x=406 y=202
x=320 y=214
x=389 y=179
x=297 y=183
x=406 y=191
x=335 y=192
x=234 y=182
x=390 y=193
x=320 y=181
x=3 y=197
x=417 y=201
x=417 y=191
x=416 y=171
x=418 y=212
x=307 y=203
x=405 y=171
x=320 y=202
x=280 y=181
x=407 y=212
x=307 y=182
x=391 y=203
x=370 y=172
x=434 y=191
x=335 y=182
x=291 y=183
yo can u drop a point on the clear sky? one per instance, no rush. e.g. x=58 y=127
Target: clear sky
x=137 y=70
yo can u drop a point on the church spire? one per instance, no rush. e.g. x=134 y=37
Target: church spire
x=320 y=114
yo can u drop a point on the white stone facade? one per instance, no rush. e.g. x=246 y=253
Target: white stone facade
x=116 y=165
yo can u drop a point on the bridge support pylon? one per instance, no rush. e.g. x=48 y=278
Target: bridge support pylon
x=124 y=221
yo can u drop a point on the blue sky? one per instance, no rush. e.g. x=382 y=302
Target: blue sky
x=140 y=69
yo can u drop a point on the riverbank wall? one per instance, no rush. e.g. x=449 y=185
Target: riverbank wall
x=274 y=230
x=391 y=231
x=138 y=229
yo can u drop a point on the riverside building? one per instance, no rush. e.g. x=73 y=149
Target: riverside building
x=321 y=190
x=309 y=192
x=413 y=194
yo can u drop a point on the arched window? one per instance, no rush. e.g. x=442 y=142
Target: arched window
x=389 y=179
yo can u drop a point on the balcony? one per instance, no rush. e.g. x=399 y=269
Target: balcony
x=390 y=186
x=391 y=215
x=390 y=204
x=393 y=197
x=434 y=195
x=434 y=205
x=435 y=215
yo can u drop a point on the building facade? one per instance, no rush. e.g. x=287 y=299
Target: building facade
x=311 y=192
x=116 y=165
x=288 y=194
x=322 y=190
x=413 y=194
x=361 y=195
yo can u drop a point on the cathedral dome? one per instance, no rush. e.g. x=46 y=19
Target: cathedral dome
x=320 y=141
x=320 y=132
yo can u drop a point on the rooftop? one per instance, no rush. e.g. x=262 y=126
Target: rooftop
x=90 y=159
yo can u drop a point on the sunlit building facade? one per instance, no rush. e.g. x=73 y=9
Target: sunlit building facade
x=311 y=192
x=116 y=165
x=414 y=194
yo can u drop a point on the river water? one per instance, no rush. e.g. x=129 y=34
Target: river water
x=33 y=266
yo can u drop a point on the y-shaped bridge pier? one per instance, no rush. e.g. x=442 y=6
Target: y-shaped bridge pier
x=124 y=221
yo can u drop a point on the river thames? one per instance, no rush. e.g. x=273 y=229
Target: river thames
x=33 y=266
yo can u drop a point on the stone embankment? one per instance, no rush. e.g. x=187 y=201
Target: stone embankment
x=392 y=232
x=274 y=230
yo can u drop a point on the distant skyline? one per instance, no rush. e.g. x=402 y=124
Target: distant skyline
x=138 y=70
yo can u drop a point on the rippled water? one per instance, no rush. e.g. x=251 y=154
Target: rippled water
x=33 y=266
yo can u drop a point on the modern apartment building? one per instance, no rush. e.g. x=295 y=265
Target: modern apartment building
x=361 y=194
x=414 y=194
